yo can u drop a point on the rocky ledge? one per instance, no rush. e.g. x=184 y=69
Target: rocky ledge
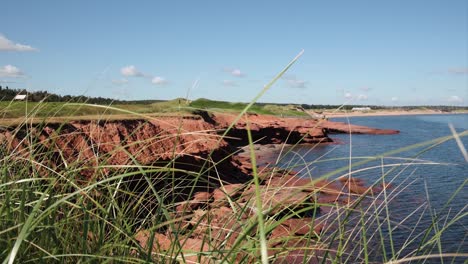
x=293 y=208
x=165 y=139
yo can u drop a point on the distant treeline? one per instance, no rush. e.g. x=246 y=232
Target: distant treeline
x=443 y=108
x=7 y=94
x=328 y=107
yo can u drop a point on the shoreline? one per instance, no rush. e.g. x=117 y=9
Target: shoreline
x=388 y=113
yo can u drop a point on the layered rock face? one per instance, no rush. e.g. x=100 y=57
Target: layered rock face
x=340 y=127
x=123 y=142
x=272 y=129
x=292 y=207
x=194 y=143
x=163 y=138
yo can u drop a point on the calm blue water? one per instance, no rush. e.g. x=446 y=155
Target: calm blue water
x=424 y=190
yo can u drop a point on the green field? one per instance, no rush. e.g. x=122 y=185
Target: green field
x=40 y=110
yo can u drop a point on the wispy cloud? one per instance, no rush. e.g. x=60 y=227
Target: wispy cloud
x=131 y=71
x=157 y=80
x=450 y=89
x=362 y=97
x=455 y=99
x=365 y=89
x=11 y=71
x=120 y=81
x=8 y=45
x=234 y=72
x=6 y=81
x=229 y=83
x=294 y=82
x=394 y=99
x=237 y=73
x=459 y=71
x=352 y=96
x=297 y=83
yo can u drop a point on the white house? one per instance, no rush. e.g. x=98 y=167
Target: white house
x=20 y=97
x=361 y=109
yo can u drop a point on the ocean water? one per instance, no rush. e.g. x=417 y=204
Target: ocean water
x=429 y=181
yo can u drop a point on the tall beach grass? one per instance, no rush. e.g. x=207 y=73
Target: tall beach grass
x=50 y=214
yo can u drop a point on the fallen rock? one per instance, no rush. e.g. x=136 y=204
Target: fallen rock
x=198 y=200
x=276 y=200
x=346 y=179
x=189 y=250
x=160 y=242
x=222 y=194
x=302 y=226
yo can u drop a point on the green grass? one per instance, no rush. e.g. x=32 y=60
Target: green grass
x=48 y=214
x=265 y=109
x=20 y=109
x=15 y=112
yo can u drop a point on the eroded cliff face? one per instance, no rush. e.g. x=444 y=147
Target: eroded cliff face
x=272 y=130
x=122 y=140
x=92 y=145
x=194 y=140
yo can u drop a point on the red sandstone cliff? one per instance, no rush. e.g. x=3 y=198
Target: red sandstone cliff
x=162 y=139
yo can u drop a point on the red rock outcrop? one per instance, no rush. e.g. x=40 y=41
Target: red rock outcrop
x=222 y=216
x=271 y=129
x=145 y=142
x=340 y=127
x=292 y=130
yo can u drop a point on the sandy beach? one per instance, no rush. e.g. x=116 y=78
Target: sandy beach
x=331 y=114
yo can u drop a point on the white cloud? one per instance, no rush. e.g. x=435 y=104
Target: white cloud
x=8 y=45
x=365 y=89
x=455 y=99
x=297 y=83
x=394 y=99
x=229 y=83
x=458 y=70
x=235 y=72
x=158 y=80
x=11 y=71
x=348 y=95
x=286 y=77
x=120 y=81
x=131 y=71
x=362 y=97
x=293 y=81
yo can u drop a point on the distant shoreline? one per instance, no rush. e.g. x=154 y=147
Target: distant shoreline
x=388 y=113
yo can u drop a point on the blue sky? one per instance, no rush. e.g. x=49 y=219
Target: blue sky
x=364 y=52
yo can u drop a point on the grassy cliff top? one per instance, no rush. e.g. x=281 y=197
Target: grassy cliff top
x=14 y=112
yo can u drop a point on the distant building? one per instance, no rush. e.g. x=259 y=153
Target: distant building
x=361 y=109
x=20 y=97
